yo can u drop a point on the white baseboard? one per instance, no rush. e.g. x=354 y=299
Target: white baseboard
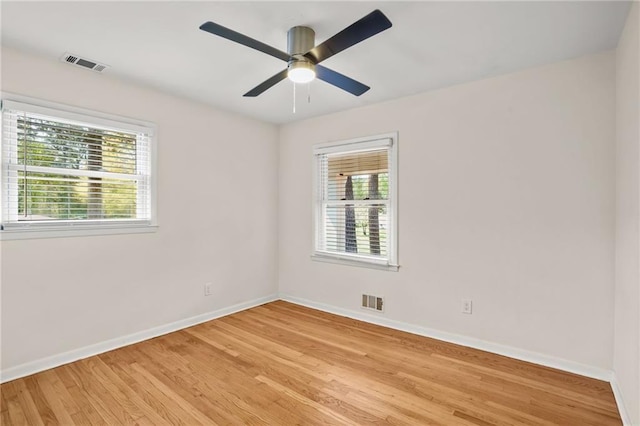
x=521 y=354
x=33 y=367
x=617 y=393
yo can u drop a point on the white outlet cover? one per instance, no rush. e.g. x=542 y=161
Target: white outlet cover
x=208 y=289
x=467 y=306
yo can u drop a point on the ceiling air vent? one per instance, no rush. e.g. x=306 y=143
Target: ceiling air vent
x=83 y=62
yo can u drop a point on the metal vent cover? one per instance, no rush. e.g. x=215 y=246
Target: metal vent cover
x=375 y=303
x=83 y=62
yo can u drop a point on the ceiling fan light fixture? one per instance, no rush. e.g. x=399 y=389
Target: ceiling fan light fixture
x=301 y=72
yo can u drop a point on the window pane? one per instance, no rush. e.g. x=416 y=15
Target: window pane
x=368 y=172
x=50 y=196
x=358 y=229
x=60 y=145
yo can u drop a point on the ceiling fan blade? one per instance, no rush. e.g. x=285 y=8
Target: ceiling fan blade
x=366 y=27
x=224 y=32
x=340 y=80
x=267 y=84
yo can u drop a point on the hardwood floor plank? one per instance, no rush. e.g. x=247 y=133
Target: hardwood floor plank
x=474 y=420
x=185 y=411
x=99 y=398
x=575 y=395
x=47 y=415
x=405 y=400
x=157 y=396
x=86 y=410
x=369 y=365
x=32 y=416
x=182 y=378
x=16 y=414
x=4 y=410
x=62 y=408
x=473 y=403
x=14 y=409
x=316 y=392
x=449 y=350
x=61 y=400
x=119 y=388
x=285 y=364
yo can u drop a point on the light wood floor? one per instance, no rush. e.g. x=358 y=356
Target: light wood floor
x=283 y=364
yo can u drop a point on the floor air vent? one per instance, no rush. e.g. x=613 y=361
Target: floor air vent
x=375 y=303
x=83 y=62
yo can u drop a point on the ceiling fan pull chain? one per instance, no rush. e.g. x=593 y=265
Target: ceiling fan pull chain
x=309 y=93
x=294 y=98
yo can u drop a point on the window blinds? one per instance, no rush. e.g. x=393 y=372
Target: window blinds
x=353 y=199
x=68 y=169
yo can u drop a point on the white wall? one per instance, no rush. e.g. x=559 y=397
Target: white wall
x=627 y=287
x=506 y=198
x=216 y=172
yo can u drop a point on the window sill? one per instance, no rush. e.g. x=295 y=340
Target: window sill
x=362 y=263
x=66 y=232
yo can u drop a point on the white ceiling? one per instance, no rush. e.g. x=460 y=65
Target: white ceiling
x=431 y=45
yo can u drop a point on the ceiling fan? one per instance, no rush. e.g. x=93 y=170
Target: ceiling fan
x=303 y=58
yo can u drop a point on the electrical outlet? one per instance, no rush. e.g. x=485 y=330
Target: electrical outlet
x=467 y=306
x=208 y=289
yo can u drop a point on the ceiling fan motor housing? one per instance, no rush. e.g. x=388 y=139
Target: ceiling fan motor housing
x=300 y=40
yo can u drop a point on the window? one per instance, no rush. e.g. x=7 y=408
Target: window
x=63 y=169
x=355 y=202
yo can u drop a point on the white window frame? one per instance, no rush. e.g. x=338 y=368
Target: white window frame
x=389 y=140
x=28 y=230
